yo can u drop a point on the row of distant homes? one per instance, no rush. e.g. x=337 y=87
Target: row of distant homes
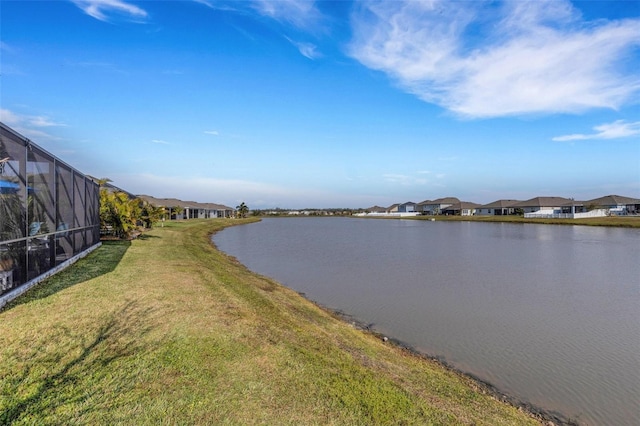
x=538 y=207
x=179 y=209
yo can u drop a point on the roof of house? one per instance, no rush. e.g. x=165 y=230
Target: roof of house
x=612 y=200
x=500 y=204
x=543 y=202
x=377 y=209
x=445 y=200
x=163 y=202
x=174 y=202
x=214 y=206
x=466 y=205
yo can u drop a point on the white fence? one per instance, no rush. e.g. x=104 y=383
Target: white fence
x=394 y=214
x=546 y=215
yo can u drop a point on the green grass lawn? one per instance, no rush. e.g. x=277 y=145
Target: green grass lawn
x=167 y=330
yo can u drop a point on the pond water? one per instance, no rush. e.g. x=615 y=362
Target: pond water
x=547 y=314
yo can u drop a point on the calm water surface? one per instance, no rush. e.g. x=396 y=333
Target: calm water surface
x=548 y=314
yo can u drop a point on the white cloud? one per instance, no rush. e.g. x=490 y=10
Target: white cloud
x=6 y=48
x=42 y=121
x=9 y=117
x=404 y=180
x=616 y=130
x=212 y=132
x=160 y=142
x=308 y=50
x=395 y=178
x=104 y=10
x=300 y=13
x=206 y=3
x=482 y=60
x=29 y=125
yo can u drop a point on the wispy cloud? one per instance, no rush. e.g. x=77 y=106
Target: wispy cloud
x=29 y=125
x=160 y=142
x=107 y=10
x=226 y=191
x=536 y=57
x=616 y=130
x=404 y=179
x=4 y=47
x=212 y=132
x=300 y=13
x=206 y=3
x=308 y=50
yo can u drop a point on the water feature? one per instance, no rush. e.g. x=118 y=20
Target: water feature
x=548 y=314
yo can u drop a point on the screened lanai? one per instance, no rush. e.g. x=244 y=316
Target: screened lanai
x=49 y=213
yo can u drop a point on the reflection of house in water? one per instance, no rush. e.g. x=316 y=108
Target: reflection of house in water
x=49 y=214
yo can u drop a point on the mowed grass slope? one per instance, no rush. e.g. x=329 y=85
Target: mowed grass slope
x=167 y=330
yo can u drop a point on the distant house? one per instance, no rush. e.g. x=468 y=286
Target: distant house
x=573 y=207
x=408 y=207
x=392 y=209
x=436 y=206
x=176 y=209
x=497 y=208
x=179 y=209
x=397 y=210
x=463 y=208
x=375 y=209
x=542 y=205
x=557 y=208
x=616 y=204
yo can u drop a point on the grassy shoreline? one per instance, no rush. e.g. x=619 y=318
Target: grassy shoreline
x=167 y=329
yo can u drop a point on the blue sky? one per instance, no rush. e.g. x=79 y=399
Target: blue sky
x=298 y=104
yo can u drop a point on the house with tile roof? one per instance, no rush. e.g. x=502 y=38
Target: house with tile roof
x=542 y=205
x=463 y=208
x=375 y=209
x=497 y=208
x=179 y=209
x=557 y=208
x=616 y=204
x=431 y=207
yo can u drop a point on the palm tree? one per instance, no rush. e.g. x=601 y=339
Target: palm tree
x=242 y=210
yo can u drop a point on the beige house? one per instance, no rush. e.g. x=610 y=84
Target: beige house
x=616 y=204
x=497 y=208
x=548 y=205
x=179 y=209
